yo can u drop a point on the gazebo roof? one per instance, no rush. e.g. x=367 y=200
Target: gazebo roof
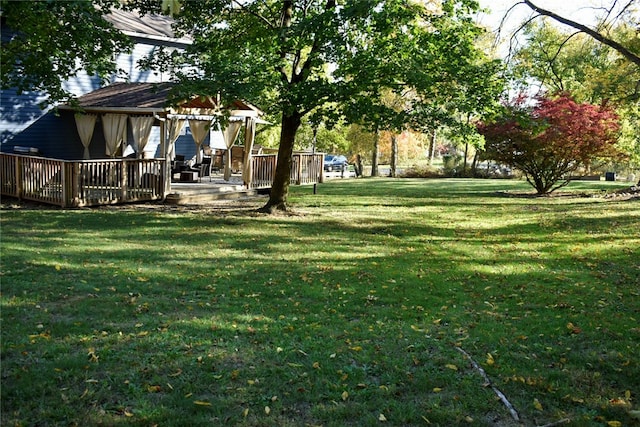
x=152 y=98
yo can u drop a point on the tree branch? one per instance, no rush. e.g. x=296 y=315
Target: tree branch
x=257 y=15
x=503 y=398
x=596 y=35
x=331 y=4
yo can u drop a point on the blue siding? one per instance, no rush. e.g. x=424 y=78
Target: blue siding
x=23 y=123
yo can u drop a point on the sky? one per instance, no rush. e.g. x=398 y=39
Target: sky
x=582 y=11
x=578 y=10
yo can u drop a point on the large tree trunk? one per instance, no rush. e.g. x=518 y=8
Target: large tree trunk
x=374 y=158
x=466 y=162
x=280 y=186
x=358 y=166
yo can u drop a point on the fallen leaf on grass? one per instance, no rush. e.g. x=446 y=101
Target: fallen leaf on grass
x=537 y=404
x=618 y=402
x=345 y=395
x=614 y=423
x=177 y=373
x=91 y=354
x=573 y=329
x=451 y=366
x=382 y=418
x=201 y=403
x=490 y=360
x=154 y=388
x=267 y=410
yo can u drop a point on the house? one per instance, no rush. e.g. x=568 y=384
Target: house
x=24 y=124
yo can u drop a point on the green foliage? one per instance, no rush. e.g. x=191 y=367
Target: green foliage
x=563 y=61
x=331 y=59
x=328 y=140
x=428 y=75
x=143 y=315
x=51 y=41
x=629 y=141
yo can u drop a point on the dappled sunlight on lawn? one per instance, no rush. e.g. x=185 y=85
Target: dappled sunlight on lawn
x=349 y=309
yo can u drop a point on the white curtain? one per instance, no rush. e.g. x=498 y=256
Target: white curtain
x=114 y=127
x=174 y=128
x=230 y=136
x=249 y=137
x=85 y=123
x=199 y=131
x=141 y=129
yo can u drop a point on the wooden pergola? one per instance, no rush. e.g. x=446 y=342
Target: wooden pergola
x=147 y=104
x=114 y=179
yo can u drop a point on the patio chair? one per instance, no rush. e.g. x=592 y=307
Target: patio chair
x=178 y=164
x=203 y=168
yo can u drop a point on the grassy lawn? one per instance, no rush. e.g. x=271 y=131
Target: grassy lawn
x=349 y=312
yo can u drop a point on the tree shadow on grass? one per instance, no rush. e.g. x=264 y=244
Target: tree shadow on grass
x=146 y=317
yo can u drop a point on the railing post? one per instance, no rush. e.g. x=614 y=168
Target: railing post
x=320 y=171
x=63 y=185
x=18 y=177
x=124 y=181
x=75 y=183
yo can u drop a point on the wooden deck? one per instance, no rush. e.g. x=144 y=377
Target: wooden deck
x=76 y=183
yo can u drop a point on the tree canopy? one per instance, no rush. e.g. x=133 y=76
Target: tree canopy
x=332 y=58
x=295 y=57
x=45 y=43
x=557 y=60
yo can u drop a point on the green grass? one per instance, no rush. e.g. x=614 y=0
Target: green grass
x=346 y=313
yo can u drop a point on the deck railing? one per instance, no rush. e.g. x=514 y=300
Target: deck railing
x=81 y=182
x=306 y=168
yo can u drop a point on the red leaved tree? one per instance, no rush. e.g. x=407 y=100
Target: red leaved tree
x=551 y=139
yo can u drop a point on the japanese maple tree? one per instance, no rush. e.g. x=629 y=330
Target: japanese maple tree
x=551 y=139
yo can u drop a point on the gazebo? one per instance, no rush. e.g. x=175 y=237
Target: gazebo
x=145 y=105
x=138 y=118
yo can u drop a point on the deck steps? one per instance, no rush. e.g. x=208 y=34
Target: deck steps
x=194 y=194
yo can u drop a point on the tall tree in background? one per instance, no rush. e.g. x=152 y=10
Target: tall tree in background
x=559 y=61
x=298 y=56
x=46 y=43
x=628 y=8
x=426 y=79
